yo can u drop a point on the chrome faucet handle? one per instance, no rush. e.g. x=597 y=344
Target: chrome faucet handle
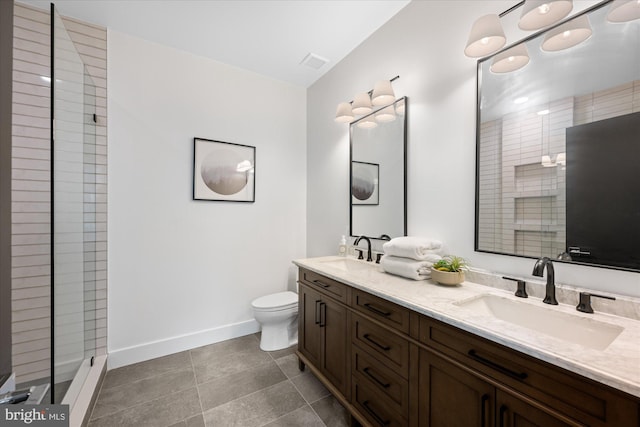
x=584 y=305
x=378 y=256
x=360 y=251
x=521 y=291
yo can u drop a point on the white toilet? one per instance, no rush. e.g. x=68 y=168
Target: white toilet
x=278 y=315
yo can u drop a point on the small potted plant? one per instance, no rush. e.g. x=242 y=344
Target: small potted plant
x=449 y=270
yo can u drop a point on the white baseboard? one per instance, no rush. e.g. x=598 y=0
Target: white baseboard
x=139 y=353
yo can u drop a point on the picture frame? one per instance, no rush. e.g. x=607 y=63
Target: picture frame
x=223 y=171
x=365 y=180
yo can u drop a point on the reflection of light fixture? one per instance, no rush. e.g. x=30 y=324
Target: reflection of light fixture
x=543 y=112
x=624 y=11
x=387 y=114
x=362 y=104
x=367 y=123
x=567 y=35
x=561 y=159
x=520 y=100
x=537 y=14
x=382 y=93
x=486 y=37
x=511 y=59
x=244 y=166
x=344 y=113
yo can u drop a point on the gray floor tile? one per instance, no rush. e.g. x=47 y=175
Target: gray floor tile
x=118 y=398
x=289 y=365
x=303 y=417
x=230 y=387
x=237 y=345
x=197 y=421
x=165 y=411
x=256 y=409
x=149 y=368
x=310 y=387
x=331 y=412
x=217 y=362
x=284 y=352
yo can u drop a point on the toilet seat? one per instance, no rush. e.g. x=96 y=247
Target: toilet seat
x=276 y=302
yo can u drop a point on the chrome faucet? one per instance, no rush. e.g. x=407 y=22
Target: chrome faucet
x=550 y=290
x=369 y=258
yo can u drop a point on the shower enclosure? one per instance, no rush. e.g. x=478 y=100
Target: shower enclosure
x=73 y=216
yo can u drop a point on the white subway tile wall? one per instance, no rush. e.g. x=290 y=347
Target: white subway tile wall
x=31 y=330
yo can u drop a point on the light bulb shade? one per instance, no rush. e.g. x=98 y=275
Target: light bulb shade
x=486 y=37
x=400 y=107
x=561 y=159
x=624 y=11
x=387 y=114
x=511 y=59
x=344 y=114
x=538 y=14
x=367 y=123
x=567 y=35
x=546 y=162
x=382 y=93
x=361 y=103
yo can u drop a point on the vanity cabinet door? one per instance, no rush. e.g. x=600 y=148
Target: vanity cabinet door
x=515 y=412
x=309 y=333
x=450 y=396
x=322 y=335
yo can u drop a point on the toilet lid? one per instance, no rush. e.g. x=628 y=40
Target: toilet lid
x=278 y=300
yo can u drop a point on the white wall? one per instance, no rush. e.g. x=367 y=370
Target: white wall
x=423 y=44
x=183 y=273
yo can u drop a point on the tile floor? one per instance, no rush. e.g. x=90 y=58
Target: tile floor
x=231 y=383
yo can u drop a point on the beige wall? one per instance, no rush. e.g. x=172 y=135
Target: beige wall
x=30 y=228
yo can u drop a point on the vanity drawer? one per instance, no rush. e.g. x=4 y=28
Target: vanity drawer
x=375 y=407
x=325 y=285
x=369 y=371
x=391 y=349
x=382 y=310
x=578 y=397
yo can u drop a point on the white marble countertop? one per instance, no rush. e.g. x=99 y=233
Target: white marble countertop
x=617 y=366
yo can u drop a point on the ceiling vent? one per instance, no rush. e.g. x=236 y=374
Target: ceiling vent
x=314 y=61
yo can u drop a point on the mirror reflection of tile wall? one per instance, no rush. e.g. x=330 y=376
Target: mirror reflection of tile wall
x=522 y=204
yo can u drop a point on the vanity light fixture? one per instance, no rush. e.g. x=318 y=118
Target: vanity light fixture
x=344 y=114
x=624 y=11
x=486 y=37
x=561 y=159
x=567 y=35
x=537 y=14
x=363 y=103
x=511 y=59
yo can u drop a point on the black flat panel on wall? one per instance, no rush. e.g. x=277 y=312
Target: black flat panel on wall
x=6 y=89
x=603 y=191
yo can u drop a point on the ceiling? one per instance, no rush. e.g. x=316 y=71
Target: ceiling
x=269 y=37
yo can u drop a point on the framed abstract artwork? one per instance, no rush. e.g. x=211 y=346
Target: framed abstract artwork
x=223 y=171
x=364 y=183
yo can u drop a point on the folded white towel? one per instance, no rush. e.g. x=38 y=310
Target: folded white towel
x=405 y=267
x=417 y=248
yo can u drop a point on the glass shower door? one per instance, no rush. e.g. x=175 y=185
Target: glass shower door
x=73 y=216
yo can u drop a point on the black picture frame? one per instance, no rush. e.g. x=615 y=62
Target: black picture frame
x=223 y=171
x=365 y=182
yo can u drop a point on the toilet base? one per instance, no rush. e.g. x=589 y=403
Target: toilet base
x=278 y=337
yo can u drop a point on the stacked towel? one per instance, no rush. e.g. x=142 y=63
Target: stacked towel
x=406 y=267
x=417 y=248
x=411 y=257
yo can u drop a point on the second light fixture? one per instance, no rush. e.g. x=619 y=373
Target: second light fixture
x=364 y=103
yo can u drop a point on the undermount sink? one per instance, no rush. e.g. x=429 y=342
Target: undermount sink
x=347 y=264
x=576 y=329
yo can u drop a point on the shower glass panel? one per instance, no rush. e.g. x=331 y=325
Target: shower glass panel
x=73 y=151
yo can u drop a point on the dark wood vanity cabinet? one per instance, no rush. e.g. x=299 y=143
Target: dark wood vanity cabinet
x=390 y=366
x=322 y=336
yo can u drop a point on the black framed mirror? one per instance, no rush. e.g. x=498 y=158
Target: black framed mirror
x=558 y=144
x=378 y=180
